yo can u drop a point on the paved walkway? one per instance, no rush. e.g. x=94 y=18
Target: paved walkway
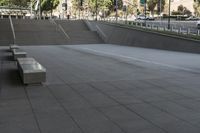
x=102 y=89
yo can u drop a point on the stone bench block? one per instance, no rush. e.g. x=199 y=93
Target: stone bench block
x=17 y=53
x=31 y=71
x=13 y=47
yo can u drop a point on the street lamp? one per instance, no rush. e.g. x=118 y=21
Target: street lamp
x=160 y=8
x=145 y=11
x=96 y=11
x=116 y=6
x=169 y=15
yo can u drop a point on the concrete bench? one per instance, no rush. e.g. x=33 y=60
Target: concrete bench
x=17 y=53
x=31 y=71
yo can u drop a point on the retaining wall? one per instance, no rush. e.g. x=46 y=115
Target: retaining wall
x=116 y=34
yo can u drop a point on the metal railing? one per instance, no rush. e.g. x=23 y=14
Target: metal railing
x=176 y=27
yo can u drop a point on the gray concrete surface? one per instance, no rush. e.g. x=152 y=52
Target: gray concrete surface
x=102 y=89
x=116 y=34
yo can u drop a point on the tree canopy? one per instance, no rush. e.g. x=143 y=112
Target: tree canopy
x=48 y=5
x=151 y=4
x=20 y=3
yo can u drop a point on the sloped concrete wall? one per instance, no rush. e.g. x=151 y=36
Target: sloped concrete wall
x=134 y=37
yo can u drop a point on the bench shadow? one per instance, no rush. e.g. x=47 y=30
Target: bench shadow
x=12 y=78
x=8 y=58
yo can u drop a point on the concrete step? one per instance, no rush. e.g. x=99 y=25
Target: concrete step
x=38 y=32
x=6 y=36
x=72 y=25
x=84 y=37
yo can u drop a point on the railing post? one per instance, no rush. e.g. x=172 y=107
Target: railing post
x=198 y=32
x=180 y=30
x=188 y=31
x=171 y=28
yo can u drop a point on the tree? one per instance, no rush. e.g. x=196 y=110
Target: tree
x=49 y=5
x=91 y=5
x=151 y=4
x=181 y=10
x=19 y=3
x=4 y=2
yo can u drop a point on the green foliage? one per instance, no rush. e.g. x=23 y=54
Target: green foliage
x=20 y=3
x=90 y=5
x=47 y=5
x=4 y=2
x=151 y=4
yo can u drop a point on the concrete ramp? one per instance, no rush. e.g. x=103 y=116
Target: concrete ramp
x=38 y=32
x=6 y=36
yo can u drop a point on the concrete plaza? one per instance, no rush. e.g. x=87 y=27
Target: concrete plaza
x=102 y=88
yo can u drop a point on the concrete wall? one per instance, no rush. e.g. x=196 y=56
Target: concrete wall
x=133 y=37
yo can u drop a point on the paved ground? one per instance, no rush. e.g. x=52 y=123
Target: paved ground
x=102 y=89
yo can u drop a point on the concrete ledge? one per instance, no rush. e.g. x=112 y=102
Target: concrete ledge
x=31 y=71
x=12 y=46
x=17 y=53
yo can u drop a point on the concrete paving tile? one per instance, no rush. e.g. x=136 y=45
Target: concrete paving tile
x=19 y=124
x=186 y=92
x=162 y=119
x=123 y=85
x=83 y=88
x=14 y=106
x=51 y=116
x=92 y=121
x=95 y=97
x=181 y=91
x=51 y=78
x=98 y=99
x=193 y=104
x=104 y=86
x=129 y=121
x=69 y=98
x=123 y=98
x=16 y=116
x=162 y=82
x=178 y=111
x=141 y=93
x=12 y=92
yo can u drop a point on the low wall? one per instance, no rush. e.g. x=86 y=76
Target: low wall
x=116 y=34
